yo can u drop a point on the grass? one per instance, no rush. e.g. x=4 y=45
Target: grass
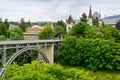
x=100 y=75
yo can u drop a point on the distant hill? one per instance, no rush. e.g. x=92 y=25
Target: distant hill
x=111 y=20
x=112 y=17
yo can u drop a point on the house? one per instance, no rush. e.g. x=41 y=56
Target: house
x=32 y=32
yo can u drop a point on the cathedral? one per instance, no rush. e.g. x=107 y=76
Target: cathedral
x=91 y=17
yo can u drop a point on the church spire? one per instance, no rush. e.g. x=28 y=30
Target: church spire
x=70 y=20
x=90 y=13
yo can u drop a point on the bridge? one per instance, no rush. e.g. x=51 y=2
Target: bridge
x=44 y=49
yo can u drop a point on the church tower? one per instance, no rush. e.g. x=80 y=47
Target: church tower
x=69 y=23
x=90 y=16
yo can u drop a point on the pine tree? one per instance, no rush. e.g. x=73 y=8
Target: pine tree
x=6 y=23
x=84 y=18
x=22 y=25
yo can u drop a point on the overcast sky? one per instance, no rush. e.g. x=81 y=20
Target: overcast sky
x=53 y=10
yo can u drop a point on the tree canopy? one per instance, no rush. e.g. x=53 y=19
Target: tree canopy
x=47 y=32
x=22 y=25
x=84 y=18
x=15 y=34
x=36 y=71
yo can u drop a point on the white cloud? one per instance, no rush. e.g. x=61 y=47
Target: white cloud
x=53 y=10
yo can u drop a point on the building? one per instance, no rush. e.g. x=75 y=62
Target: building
x=69 y=23
x=90 y=17
x=34 y=29
x=93 y=16
x=32 y=32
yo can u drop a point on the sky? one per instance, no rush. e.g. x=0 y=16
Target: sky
x=53 y=10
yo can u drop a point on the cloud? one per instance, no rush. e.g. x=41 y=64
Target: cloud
x=53 y=10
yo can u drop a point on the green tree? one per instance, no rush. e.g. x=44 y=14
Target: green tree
x=78 y=29
x=47 y=32
x=96 y=22
x=2 y=37
x=6 y=23
x=15 y=34
x=84 y=18
x=29 y=24
x=62 y=24
x=1 y=20
x=58 y=31
x=67 y=50
x=3 y=29
x=22 y=25
x=36 y=71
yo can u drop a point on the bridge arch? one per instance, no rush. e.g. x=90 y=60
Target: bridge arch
x=26 y=49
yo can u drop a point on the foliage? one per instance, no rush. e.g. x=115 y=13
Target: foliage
x=6 y=23
x=99 y=75
x=3 y=29
x=83 y=30
x=84 y=18
x=23 y=58
x=94 y=47
x=62 y=24
x=15 y=34
x=96 y=22
x=78 y=29
x=58 y=31
x=29 y=24
x=93 y=53
x=47 y=32
x=22 y=25
x=36 y=71
x=67 y=50
x=2 y=37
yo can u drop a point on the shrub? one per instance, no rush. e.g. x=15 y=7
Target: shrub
x=2 y=37
x=36 y=71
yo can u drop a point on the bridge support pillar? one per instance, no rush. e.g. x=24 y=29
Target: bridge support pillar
x=49 y=52
x=4 y=56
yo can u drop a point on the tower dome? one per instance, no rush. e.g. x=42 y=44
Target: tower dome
x=95 y=15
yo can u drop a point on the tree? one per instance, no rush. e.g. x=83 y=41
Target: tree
x=1 y=20
x=6 y=23
x=96 y=22
x=29 y=24
x=84 y=18
x=15 y=34
x=67 y=50
x=118 y=25
x=62 y=24
x=78 y=29
x=22 y=25
x=36 y=71
x=2 y=37
x=58 y=31
x=3 y=29
x=47 y=32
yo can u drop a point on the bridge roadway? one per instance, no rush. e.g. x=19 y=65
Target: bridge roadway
x=23 y=43
x=29 y=41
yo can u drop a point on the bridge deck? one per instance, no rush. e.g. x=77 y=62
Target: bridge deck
x=28 y=41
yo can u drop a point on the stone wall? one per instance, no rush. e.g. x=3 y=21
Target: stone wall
x=31 y=36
